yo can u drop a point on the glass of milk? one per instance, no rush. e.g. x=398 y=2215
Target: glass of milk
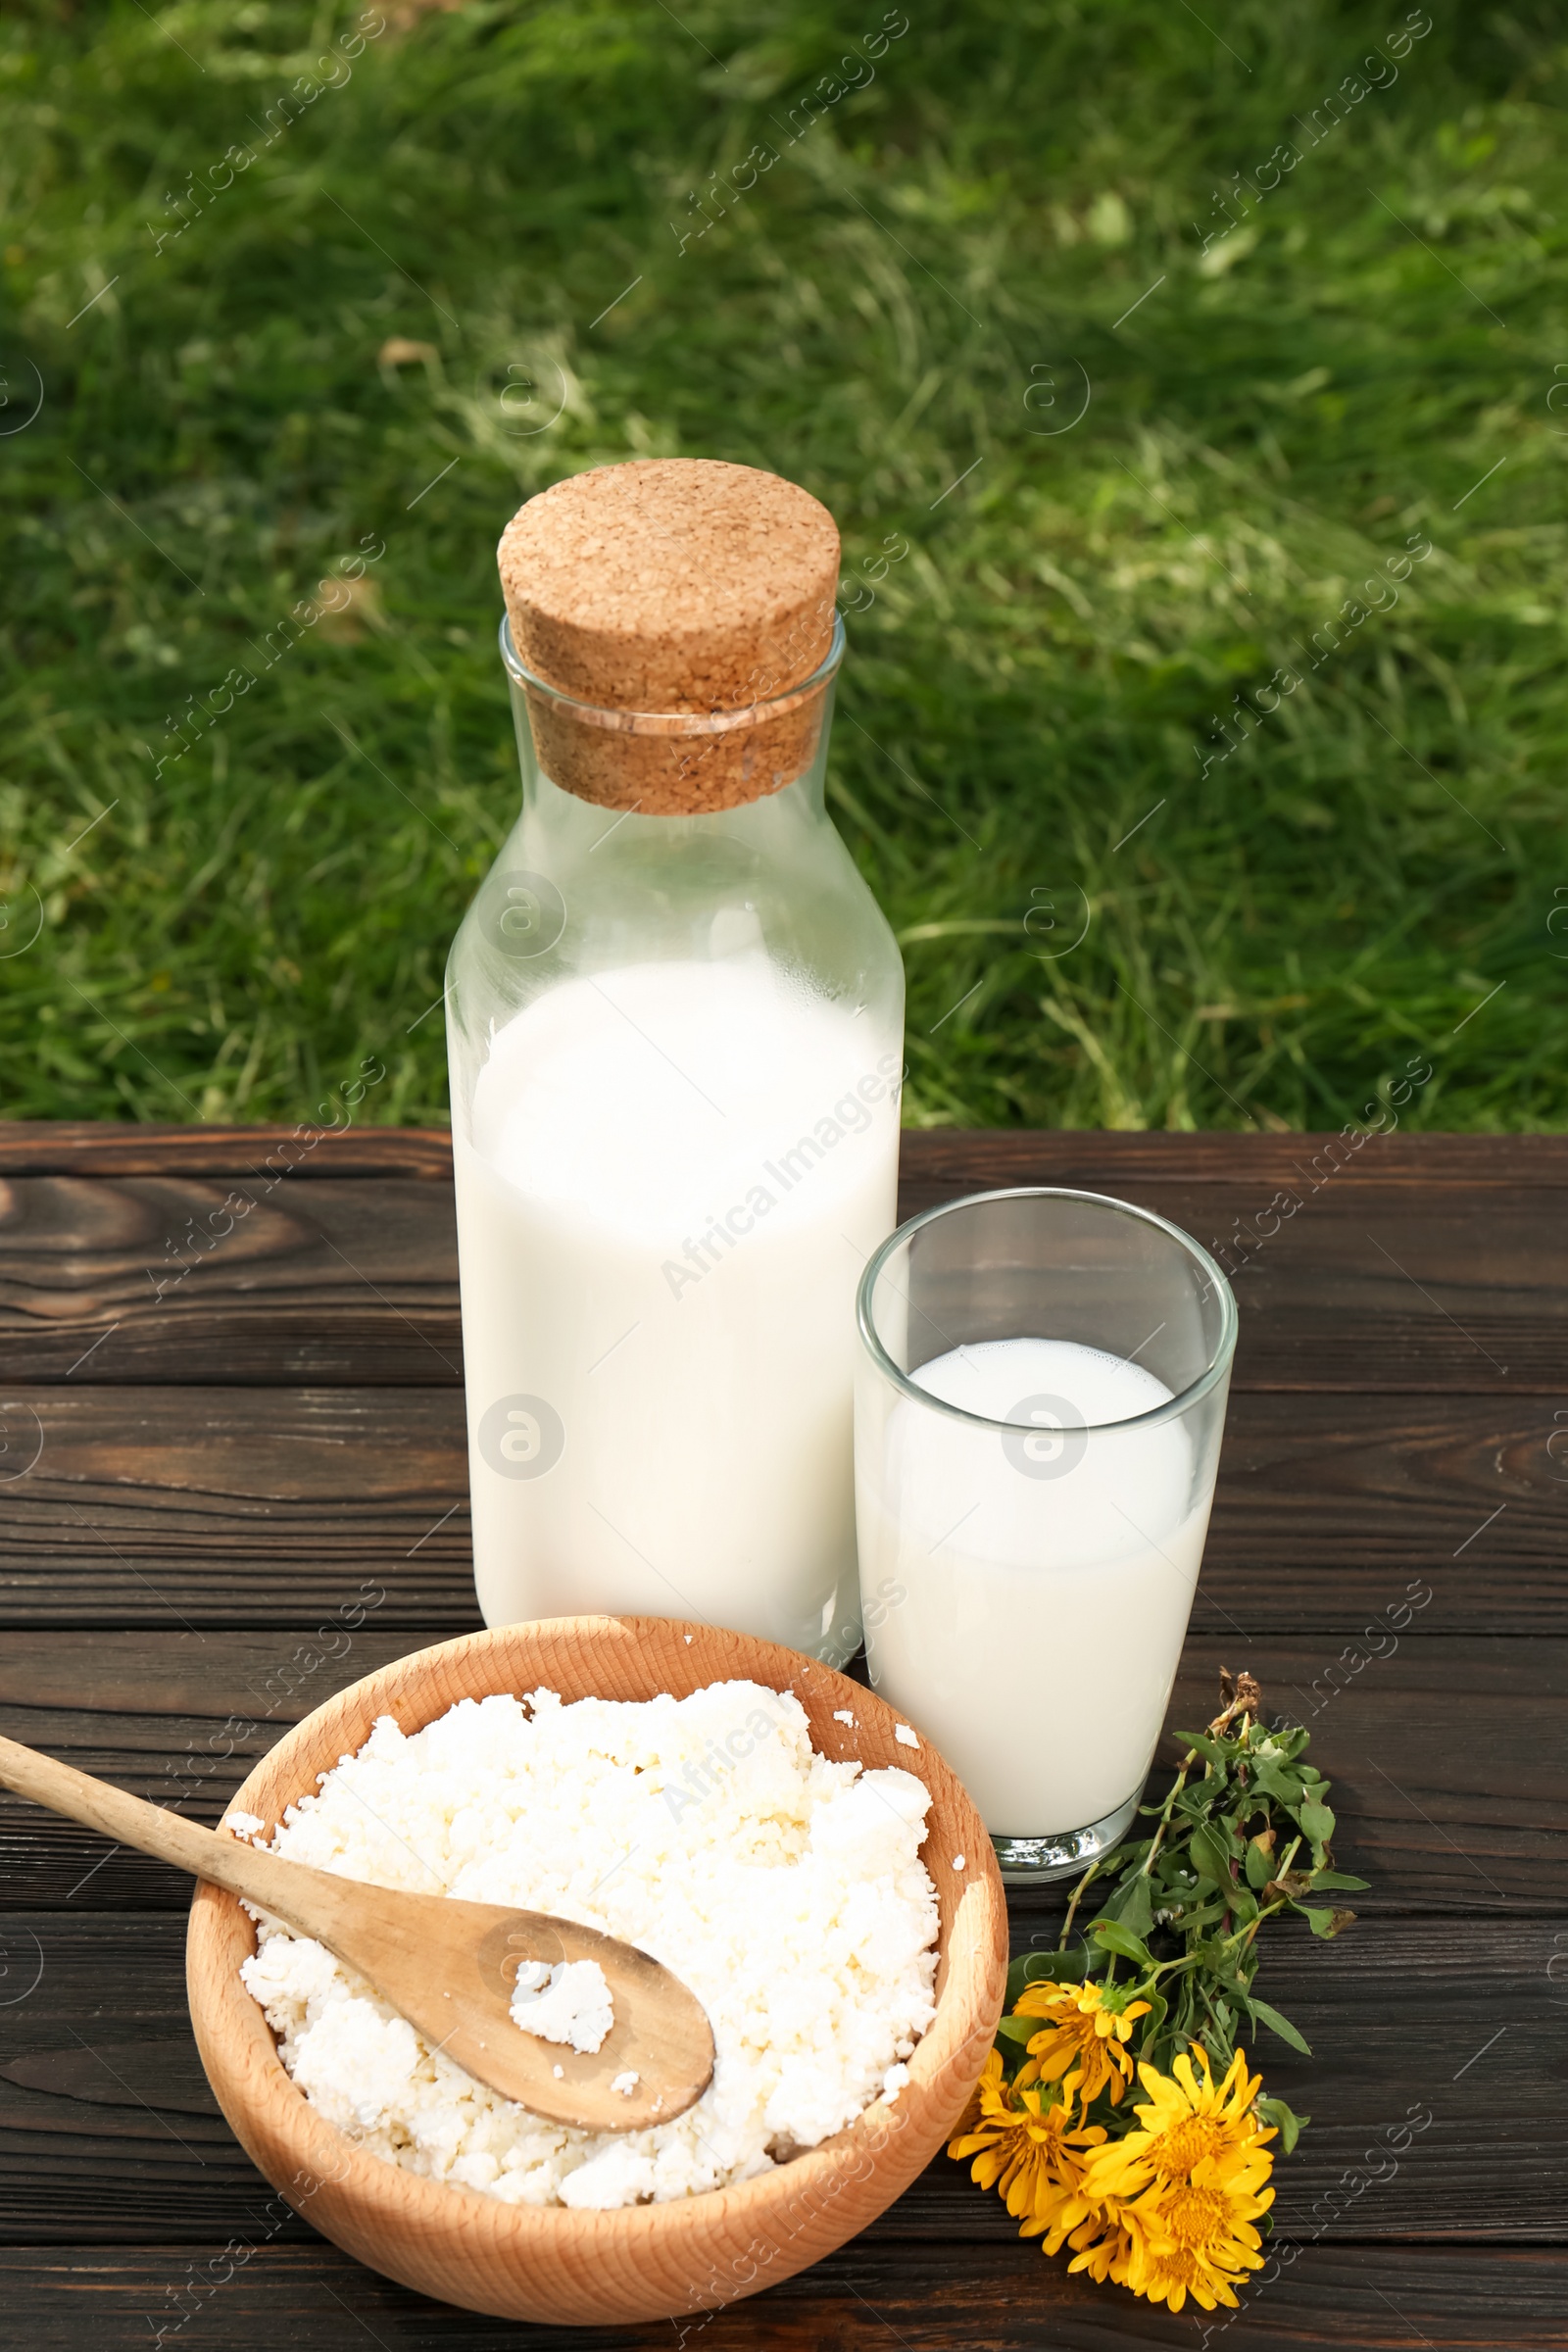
x=675 y=1044
x=1039 y=1405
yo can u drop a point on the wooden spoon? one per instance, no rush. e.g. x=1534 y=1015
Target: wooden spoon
x=447 y=1966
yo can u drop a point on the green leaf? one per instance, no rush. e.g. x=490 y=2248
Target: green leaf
x=1036 y=1968
x=1214 y=1749
x=1339 y=1878
x=1071 y=1966
x=1026 y=1969
x=1325 y=1924
x=1176 y=1885
x=1317 y=1822
x=1260 y=1863
x=1284 y=2120
x=1020 y=2028
x=1281 y=2025
x=1121 y=1941
x=1277 y=1782
x=1210 y=1856
x=1132 y=1906
x=1196 y=1800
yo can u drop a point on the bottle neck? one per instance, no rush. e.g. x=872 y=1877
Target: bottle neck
x=567 y=817
x=580 y=892
x=689 y=763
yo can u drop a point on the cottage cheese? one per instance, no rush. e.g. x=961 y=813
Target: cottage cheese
x=571 y=2002
x=785 y=1890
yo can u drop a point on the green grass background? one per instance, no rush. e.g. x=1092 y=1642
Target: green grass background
x=915 y=292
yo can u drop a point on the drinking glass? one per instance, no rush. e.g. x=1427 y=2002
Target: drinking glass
x=1030 y=1539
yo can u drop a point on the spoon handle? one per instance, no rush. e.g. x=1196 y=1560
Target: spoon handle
x=151 y=1828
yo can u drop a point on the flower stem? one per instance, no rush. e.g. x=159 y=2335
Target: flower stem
x=1245 y=1934
x=1164 y=1822
x=1072 y=1907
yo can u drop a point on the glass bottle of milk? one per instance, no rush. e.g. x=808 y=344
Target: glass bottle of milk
x=675 y=1036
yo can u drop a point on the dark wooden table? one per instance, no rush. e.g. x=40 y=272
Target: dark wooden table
x=192 y=1485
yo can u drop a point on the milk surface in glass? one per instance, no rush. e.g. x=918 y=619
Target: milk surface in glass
x=675 y=1173
x=1028 y=1595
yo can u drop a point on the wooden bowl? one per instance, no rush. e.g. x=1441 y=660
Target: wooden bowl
x=550 y=2263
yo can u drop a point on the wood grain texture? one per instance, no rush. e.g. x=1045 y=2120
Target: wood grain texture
x=101 y=1147
x=313 y=2299
x=639 y=2261
x=959 y=1158
x=1434 y=1264
x=107 y=2132
x=188 y=1509
x=310 y=2299
x=1436 y=1821
x=185 y=1509
x=232 y=1476
x=131 y=1278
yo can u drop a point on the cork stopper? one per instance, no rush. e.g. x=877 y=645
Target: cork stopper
x=675 y=606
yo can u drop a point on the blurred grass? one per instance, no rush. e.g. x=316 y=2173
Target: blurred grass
x=900 y=314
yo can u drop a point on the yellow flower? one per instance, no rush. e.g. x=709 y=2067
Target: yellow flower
x=1188 y=2125
x=1188 y=2185
x=1103 y=2244
x=1084 y=2033
x=1022 y=2147
x=1169 y=2272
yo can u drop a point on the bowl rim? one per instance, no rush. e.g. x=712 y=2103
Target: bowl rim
x=263 y=2105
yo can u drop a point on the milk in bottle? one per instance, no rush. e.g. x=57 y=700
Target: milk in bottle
x=675 y=1020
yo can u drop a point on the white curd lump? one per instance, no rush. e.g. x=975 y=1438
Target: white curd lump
x=571 y=2002
x=785 y=1890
